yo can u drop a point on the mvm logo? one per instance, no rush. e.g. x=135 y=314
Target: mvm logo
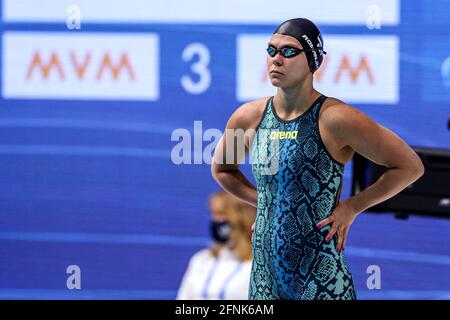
x=362 y=66
x=78 y=66
x=53 y=65
x=278 y=135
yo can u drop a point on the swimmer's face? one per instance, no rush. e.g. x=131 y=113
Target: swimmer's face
x=286 y=72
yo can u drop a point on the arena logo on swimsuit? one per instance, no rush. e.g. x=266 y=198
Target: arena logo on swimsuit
x=283 y=135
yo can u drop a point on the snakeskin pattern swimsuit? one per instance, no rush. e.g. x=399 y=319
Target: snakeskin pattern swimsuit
x=298 y=185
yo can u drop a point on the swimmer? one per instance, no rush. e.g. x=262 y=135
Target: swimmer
x=301 y=226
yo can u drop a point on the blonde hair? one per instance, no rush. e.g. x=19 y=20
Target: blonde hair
x=241 y=216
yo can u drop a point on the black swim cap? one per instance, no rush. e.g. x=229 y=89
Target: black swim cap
x=308 y=35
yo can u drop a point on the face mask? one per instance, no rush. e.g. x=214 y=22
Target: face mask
x=220 y=231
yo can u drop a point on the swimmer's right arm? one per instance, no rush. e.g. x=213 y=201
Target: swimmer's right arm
x=230 y=151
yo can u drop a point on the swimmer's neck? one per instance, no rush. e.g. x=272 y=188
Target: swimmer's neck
x=294 y=101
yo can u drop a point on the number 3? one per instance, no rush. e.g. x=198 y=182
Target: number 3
x=200 y=67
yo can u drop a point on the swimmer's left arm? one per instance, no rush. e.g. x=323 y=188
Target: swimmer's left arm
x=380 y=145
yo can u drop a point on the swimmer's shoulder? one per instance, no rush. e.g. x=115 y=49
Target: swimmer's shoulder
x=338 y=118
x=248 y=115
x=334 y=110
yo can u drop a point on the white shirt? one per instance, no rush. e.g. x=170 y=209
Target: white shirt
x=210 y=278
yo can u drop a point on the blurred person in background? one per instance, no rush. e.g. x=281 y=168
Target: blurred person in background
x=222 y=271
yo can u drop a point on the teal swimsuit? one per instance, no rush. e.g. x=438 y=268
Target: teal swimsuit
x=298 y=185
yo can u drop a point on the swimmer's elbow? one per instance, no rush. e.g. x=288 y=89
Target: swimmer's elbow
x=420 y=169
x=220 y=177
x=221 y=173
x=216 y=172
x=414 y=171
x=417 y=168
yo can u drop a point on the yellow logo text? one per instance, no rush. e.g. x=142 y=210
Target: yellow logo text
x=283 y=135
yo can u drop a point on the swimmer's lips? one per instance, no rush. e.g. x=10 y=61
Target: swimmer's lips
x=276 y=73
